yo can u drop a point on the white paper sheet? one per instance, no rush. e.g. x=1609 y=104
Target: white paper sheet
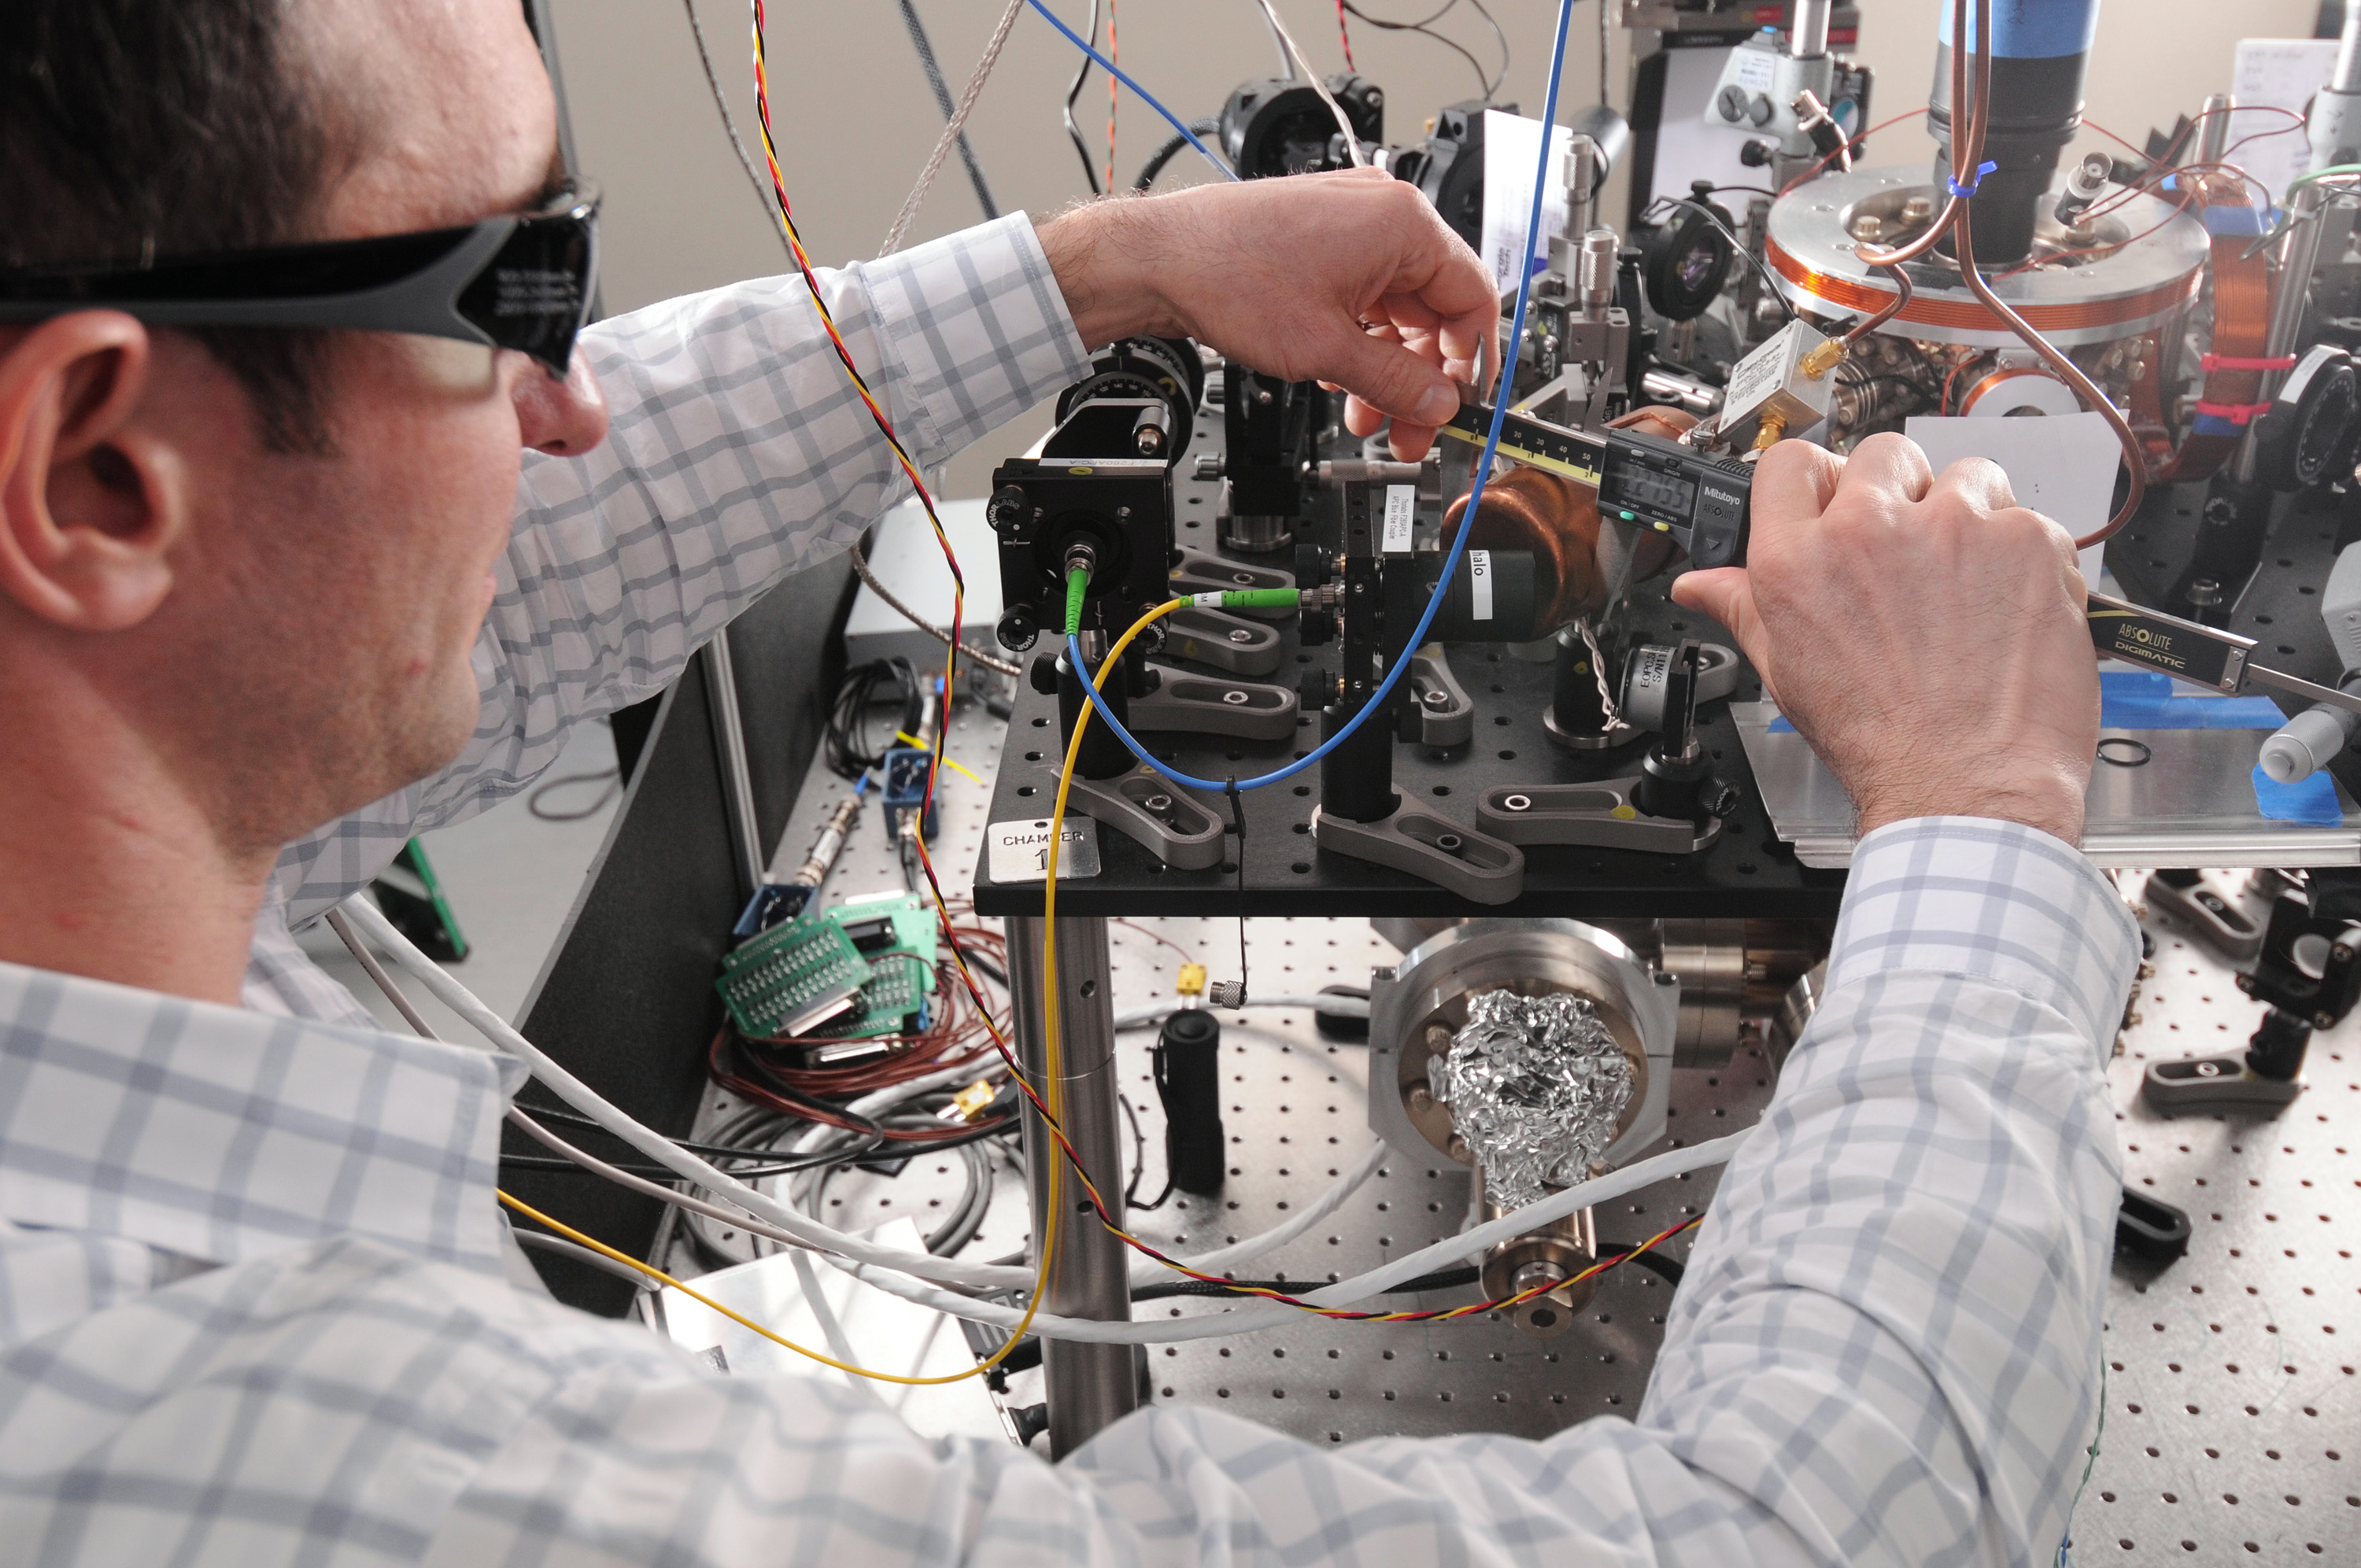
x=2062 y=466
x=2284 y=74
x=1512 y=142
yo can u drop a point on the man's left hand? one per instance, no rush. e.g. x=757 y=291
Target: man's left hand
x=1349 y=278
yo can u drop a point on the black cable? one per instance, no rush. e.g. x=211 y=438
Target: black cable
x=925 y=46
x=846 y=740
x=1761 y=267
x=1487 y=85
x=1090 y=169
x=1447 y=1279
x=1238 y=821
x=1656 y=1263
x=1205 y=126
x=611 y=777
x=765 y=1153
x=1139 y=1163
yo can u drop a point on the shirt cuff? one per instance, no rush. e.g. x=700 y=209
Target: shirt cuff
x=979 y=325
x=1993 y=901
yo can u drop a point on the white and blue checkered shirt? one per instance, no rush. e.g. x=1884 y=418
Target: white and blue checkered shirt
x=253 y=1311
x=737 y=452
x=254 y=1301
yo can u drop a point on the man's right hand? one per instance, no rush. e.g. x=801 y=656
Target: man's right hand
x=1925 y=635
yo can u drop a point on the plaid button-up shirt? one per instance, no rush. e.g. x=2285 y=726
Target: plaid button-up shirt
x=254 y=1306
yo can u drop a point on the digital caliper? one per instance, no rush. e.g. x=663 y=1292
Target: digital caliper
x=1701 y=501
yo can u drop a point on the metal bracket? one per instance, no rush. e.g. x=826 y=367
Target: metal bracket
x=1151 y=812
x=1227 y=641
x=2214 y=1083
x=1200 y=704
x=1440 y=708
x=1195 y=571
x=1616 y=733
x=1477 y=867
x=1599 y=815
x=2220 y=924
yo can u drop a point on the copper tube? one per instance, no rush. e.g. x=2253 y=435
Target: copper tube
x=2067 y=370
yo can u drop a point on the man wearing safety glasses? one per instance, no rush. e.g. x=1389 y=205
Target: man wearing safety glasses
x=286 y=288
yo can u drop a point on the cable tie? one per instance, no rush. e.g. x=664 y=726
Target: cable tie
x=2236 y=413
x=1969 y=188
x=2213 y=362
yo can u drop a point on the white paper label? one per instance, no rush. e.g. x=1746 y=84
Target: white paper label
x=1401 y=514
x=2275 y=73
x=1019 y=851
x=1512 y=142
x=1479 y=582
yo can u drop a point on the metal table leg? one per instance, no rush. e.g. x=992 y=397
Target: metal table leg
x=1089 y=1386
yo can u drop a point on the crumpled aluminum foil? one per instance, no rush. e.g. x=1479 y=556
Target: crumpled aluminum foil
x=1536 y=1084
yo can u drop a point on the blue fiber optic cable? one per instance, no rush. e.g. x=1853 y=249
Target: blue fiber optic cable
x=1144 y=96
x=1467 y=520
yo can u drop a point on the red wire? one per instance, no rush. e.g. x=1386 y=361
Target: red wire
x=1114 y=57
x=1345 y=36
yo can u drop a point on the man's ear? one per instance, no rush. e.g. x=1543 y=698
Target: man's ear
x=91 y=505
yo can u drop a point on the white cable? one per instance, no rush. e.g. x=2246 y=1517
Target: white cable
x=900 y=1273
x=1445 y=1253
x=1278 y=42
x=950 y=137
x=1147 y=1271
x=655 y=1144
x=1352 y=141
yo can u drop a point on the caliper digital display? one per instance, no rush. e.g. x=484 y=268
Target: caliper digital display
x=1699 y=501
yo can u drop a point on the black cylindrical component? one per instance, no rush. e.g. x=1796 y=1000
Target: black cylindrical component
x=1576 y=706
x=1671 y=787
x=2040 y=53
x=1103 y=756
x=2277 y=1049
x=1356 y=778
x=1188 y=1060
x=1491 y=598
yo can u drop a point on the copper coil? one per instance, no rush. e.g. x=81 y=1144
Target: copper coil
x=1967 y=315
x=1557 y=520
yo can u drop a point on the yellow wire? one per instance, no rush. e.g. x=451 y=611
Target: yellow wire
x=1055 y=1053
x=570 y=1233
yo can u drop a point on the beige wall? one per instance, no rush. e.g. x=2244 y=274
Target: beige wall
x=855 y=119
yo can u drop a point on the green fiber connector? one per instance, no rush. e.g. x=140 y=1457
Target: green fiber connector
x=1259 y=599
x=1077 y=581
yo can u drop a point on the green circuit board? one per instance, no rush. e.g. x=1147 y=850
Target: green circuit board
x=793 y=978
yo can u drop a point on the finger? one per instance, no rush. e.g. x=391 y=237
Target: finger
x=1389 y=377
x=1887 y=468
x=1793 y=482
x=1361 y=419
x=1409 y=442
x=1979 y=481
x=1727 y=595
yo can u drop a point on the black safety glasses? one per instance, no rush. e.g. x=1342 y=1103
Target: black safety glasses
x=522 y=281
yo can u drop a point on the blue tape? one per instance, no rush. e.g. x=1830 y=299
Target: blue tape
x=2135 y=699
x=2235 y=223
x=2310 y=800
x=2216 y=424
x=1969 y=188
x=2031 y=29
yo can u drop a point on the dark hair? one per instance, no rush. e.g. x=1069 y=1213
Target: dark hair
x=137 y=128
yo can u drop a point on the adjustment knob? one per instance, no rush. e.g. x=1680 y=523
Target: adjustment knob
x=1017 y=629
x=1042 y=674
x=1009 y=510
x=1315 y=627
x=1311 y=566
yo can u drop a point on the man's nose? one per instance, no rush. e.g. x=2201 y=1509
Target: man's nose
x=564 y=418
